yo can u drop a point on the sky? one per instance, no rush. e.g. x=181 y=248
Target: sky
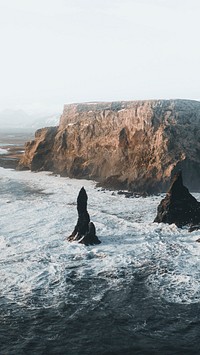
x=55 y=52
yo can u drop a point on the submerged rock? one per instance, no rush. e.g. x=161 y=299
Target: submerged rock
x=84 y=231
x=179 y=206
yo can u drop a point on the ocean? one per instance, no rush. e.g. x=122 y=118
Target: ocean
x=12 y=146
x=137 y=292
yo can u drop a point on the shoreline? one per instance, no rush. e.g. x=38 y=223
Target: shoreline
x=11 y=159
x=13 y=142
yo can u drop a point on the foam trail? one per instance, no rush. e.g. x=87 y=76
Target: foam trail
x=38 y=212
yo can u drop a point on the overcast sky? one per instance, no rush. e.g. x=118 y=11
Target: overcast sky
x=61 y=51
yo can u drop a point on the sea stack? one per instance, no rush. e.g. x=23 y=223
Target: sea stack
x=84 y=231
x=179 y=206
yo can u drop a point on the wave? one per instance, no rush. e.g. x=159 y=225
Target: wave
x=39 y=268
x=3 y=151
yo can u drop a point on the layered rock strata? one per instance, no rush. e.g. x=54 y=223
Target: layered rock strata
x=135 y=145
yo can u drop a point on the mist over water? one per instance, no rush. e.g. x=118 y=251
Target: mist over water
x=135 y=293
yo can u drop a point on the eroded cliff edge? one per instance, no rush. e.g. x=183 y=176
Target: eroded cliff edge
x=128 y=144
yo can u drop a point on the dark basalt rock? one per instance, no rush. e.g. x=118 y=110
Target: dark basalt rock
x=84 y=231
x=193 y=228
x=179 y=206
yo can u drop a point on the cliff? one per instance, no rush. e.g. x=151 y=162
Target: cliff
x=136 y=145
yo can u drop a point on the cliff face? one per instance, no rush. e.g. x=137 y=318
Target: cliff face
x=128 y=144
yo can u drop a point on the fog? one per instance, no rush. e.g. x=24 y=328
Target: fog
x=16 y=120
x=61 y=51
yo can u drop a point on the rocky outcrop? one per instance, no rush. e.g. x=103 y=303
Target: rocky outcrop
x=135 y=145
x=39 y=153
x=84 y=231
x=179 y=206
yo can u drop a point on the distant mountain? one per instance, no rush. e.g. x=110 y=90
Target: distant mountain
x=13 y=118
x=52 y=120
x=19 y=119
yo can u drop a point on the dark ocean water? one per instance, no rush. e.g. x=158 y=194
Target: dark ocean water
x=126 y=321
x=136 y=293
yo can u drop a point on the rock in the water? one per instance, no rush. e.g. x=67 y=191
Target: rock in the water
x=179 y=206
x=84 y=231
x=194 y=227
x=90 y=237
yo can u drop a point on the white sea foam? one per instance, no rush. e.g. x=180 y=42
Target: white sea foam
x=3 y=151
x=38 y=210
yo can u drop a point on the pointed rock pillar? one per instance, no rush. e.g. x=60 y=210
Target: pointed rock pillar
x=84 y=231
x=178 y=206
